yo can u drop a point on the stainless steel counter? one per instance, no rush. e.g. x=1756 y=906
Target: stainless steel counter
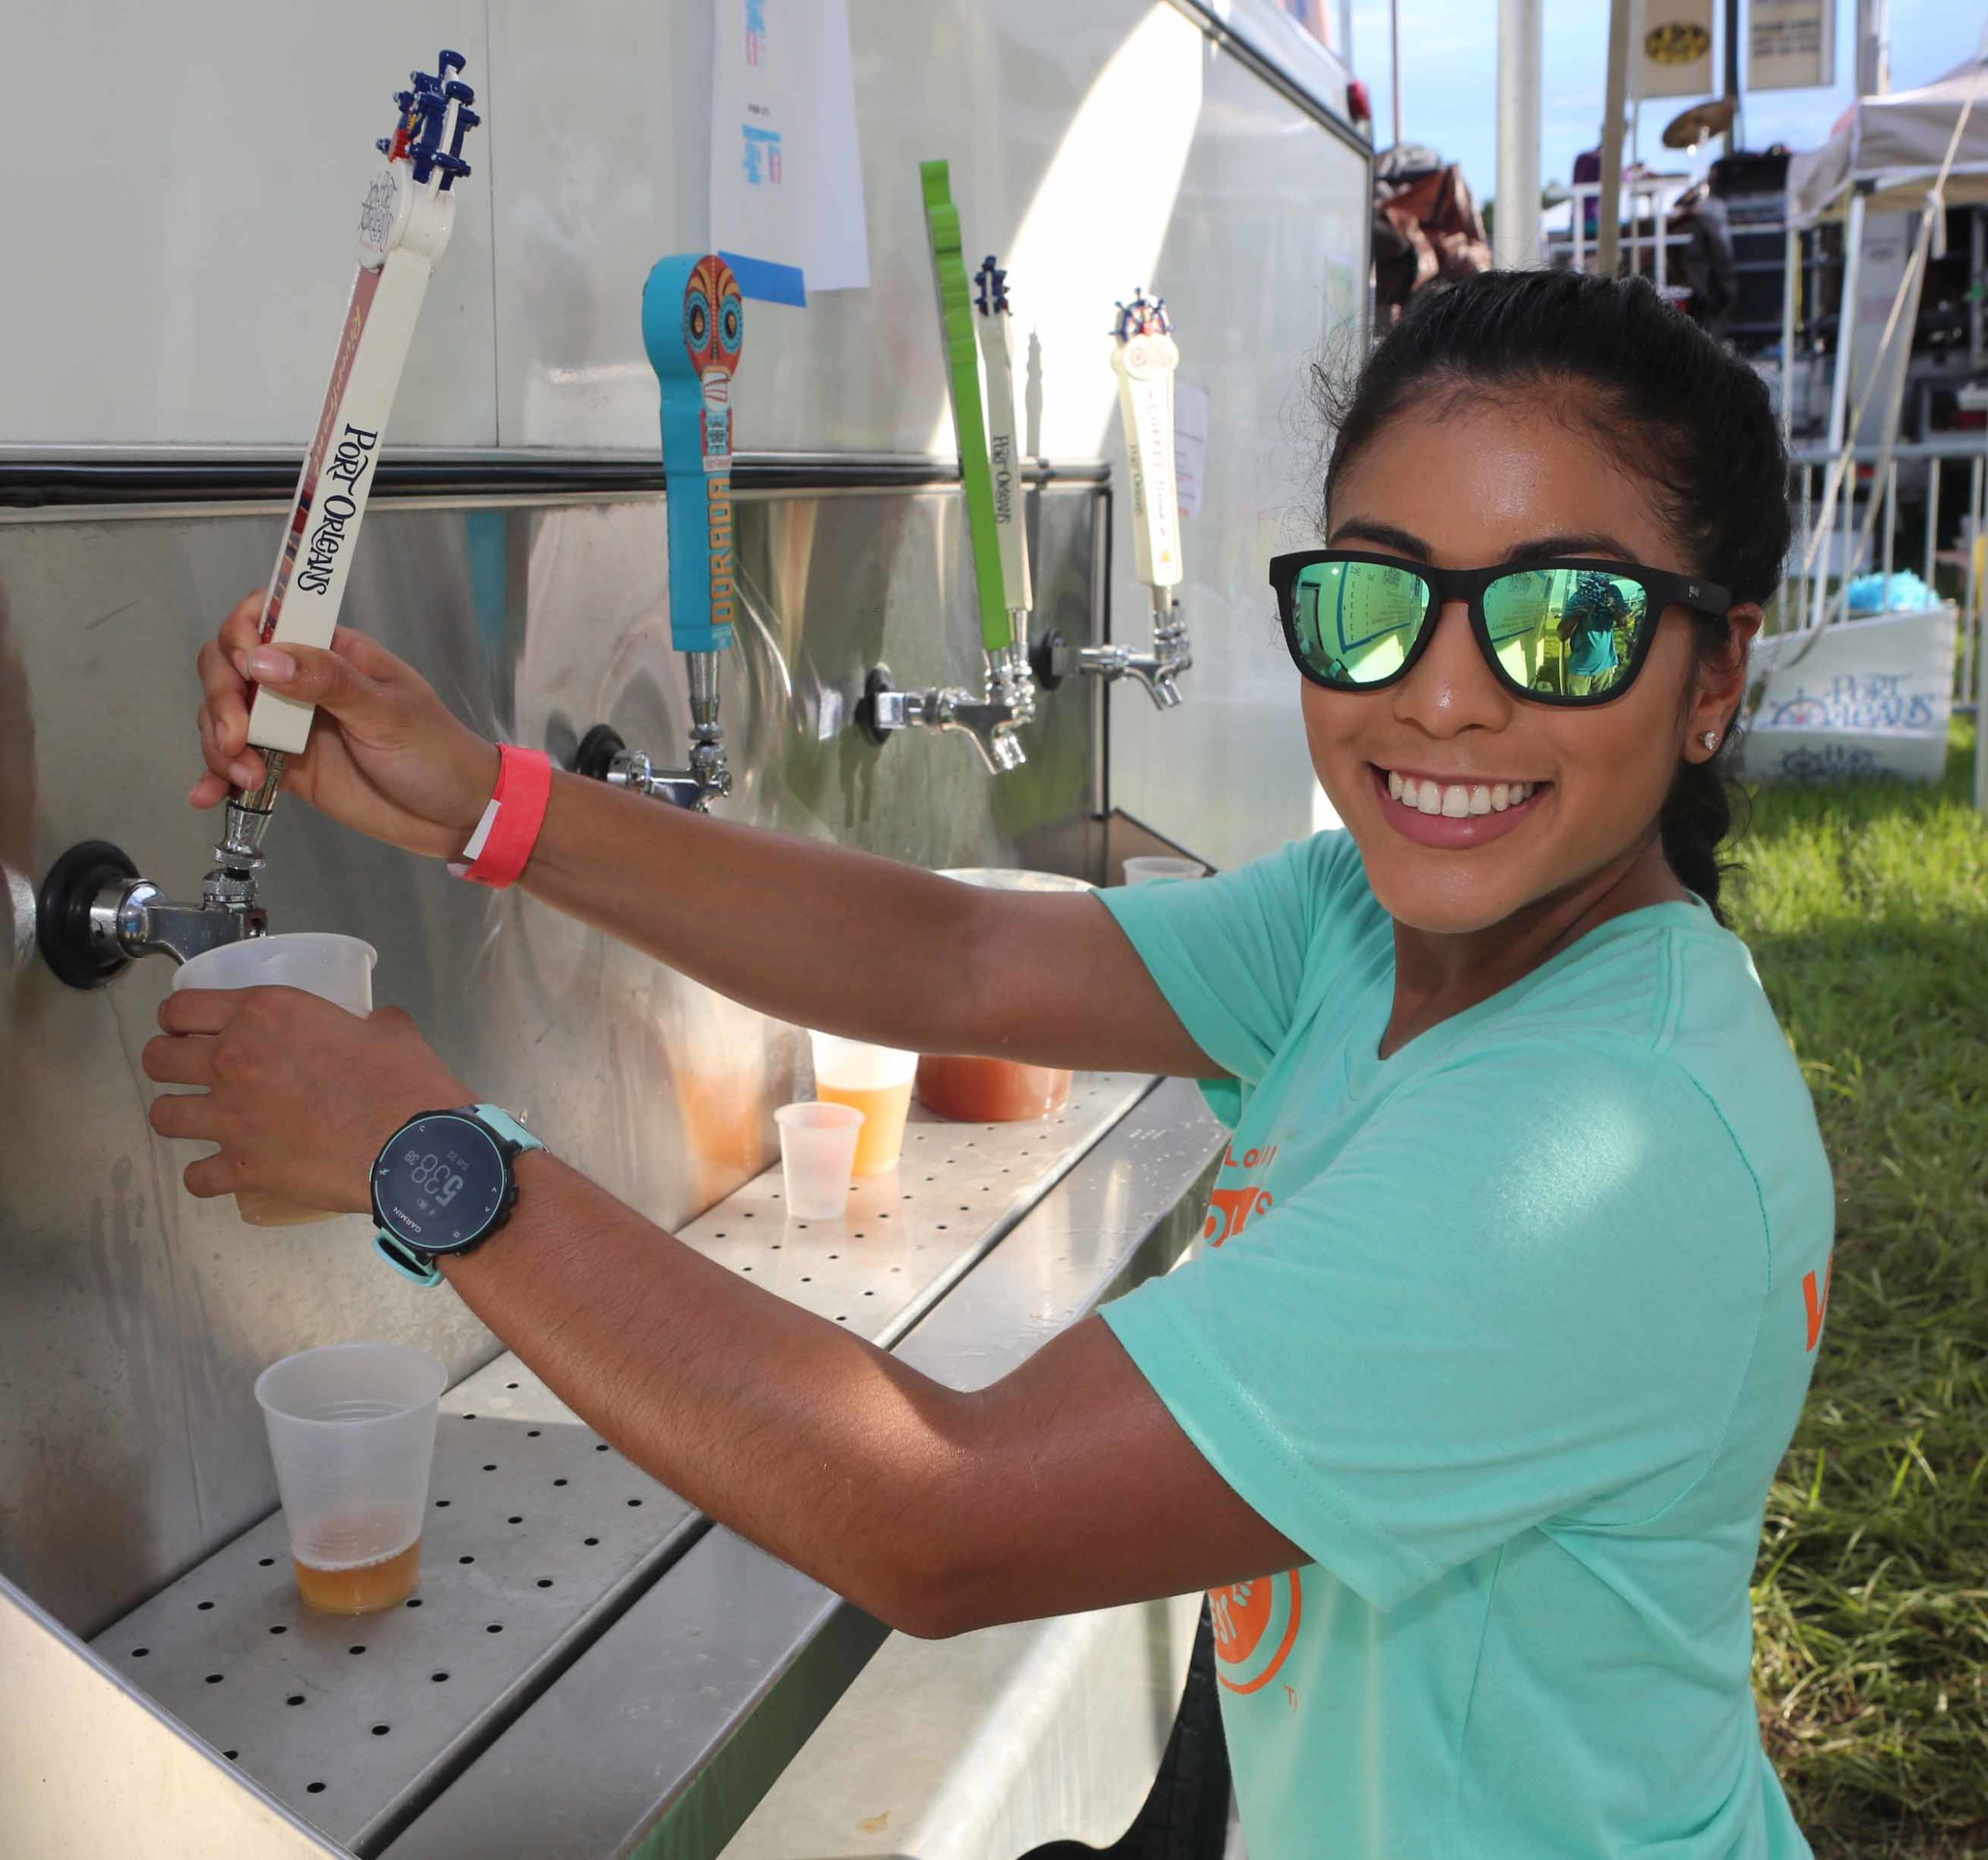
x=589 y=1664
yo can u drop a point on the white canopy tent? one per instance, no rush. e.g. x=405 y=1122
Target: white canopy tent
x=1915 y=151
x=1892 y=148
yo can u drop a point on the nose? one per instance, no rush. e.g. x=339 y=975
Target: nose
x=1451 y=690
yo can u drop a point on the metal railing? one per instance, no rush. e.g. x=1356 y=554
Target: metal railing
x=1861 y=548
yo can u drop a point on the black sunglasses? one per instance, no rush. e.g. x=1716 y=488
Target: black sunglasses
x=1568 y=632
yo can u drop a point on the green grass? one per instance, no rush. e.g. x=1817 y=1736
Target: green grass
x=1866 y=906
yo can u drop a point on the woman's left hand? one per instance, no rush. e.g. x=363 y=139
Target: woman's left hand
x=299 y=1093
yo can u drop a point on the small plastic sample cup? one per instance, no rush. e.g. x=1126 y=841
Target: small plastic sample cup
x=352 y=1431
x=875 y=1080
x=340 y=968
x=817 y=1156
x=1148 y=868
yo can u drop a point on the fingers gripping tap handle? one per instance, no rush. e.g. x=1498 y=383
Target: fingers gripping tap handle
x=404 y=227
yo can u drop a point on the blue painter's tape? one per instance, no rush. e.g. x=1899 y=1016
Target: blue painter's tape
x=770 y=283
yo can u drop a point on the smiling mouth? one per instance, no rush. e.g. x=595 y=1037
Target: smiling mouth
x=1455 y=815
x=1456 y=800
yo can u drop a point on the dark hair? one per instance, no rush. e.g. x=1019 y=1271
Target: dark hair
x=1672 y=407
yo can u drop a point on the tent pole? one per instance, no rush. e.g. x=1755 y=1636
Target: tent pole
x=1608 y=233
x=1732 y=138
x=1977 y=259
x=1394 y=62
x=1516 y=234
x=1846 y=321
x=1790 y=279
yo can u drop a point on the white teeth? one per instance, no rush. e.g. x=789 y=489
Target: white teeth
x=1456 y=801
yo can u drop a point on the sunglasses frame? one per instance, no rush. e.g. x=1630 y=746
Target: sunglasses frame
x=1661 y=589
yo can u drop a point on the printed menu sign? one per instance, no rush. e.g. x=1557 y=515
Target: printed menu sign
x=787 y=171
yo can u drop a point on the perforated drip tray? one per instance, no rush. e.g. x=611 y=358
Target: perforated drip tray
x=538 y=1532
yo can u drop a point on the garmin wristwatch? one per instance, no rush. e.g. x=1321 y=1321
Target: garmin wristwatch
x=444 y=1183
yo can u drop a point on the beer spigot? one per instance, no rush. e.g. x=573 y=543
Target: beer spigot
x=693 y=330
x=990 y=718
x=95 y=915
x=603 y=756
x=1144 y=361
x=1157 y=669
x=991 y=490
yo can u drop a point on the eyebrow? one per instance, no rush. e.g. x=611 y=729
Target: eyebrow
x=1541 y=548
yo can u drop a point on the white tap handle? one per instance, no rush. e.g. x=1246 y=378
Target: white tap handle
x=1144 y=362
x=403 y=228
x=1004 y=452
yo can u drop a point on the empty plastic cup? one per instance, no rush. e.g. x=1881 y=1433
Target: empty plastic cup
x=1149 y=867
x=352 y=1431
x=817 y=1156
x=875 y=1080
x=340 y=968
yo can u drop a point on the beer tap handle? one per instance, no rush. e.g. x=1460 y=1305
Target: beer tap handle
x=403 y=228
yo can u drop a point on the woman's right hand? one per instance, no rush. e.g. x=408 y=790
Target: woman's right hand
x=385 y=756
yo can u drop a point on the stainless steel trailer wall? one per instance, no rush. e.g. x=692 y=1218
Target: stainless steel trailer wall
x=1098 y=148
x=132 y=1320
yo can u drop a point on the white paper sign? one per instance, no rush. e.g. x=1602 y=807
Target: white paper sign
x=1191 y=445
x=1790 y=44
x=1867 y=698
x=1670 y=49
x=786 y=169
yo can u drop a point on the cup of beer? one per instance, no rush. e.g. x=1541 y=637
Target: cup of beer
x=875 y=1080
x=352 y=1431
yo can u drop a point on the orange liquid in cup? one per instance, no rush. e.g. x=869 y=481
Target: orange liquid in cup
x=990 y=1091
x=881 y=1137
x=364 y=1589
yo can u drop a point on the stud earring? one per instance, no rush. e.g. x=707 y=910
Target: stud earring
x=1710 y=739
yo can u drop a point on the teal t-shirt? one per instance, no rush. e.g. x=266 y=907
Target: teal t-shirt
x=1509 y=1332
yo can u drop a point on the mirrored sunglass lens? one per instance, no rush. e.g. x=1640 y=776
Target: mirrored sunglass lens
x=1356 y=620
x=1565 y=632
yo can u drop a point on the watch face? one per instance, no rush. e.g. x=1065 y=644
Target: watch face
x=440 y=1184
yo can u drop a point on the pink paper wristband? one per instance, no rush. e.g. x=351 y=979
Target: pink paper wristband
x=501 y=847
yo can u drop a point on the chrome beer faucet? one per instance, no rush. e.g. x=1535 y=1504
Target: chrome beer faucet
x=603 y=756
x=991 y=719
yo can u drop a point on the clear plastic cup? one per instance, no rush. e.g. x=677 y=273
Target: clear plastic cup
x=875 y=1080
x=979 y=1091
x=340 y=968
x=817 y=1156
x=1148 y=868
x=352 y=1431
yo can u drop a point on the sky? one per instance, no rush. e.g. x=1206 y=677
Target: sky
x=1449 y=65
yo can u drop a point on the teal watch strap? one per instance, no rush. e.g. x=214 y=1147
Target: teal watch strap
x=420 y=1268
x=506 y=1125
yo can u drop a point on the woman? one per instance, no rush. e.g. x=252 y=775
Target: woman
x=1470 y=1431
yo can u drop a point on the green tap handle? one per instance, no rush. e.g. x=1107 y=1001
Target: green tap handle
x=942 y=223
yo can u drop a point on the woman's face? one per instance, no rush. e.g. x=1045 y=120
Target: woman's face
x=1467 y=483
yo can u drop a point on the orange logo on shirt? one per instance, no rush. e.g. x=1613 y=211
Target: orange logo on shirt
x=1256 y=1626
x=1231 y=1209
x=1818 y=1303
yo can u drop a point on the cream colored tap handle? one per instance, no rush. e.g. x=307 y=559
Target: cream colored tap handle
x=1004 y=447
x=1144 y=362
